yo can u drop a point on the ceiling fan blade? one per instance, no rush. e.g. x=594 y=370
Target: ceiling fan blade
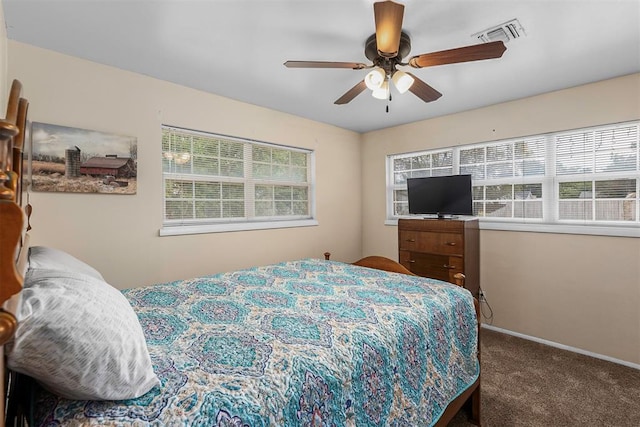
x=351 y=93
x=462 y=54
x=423 y=90
x=324 y=64
x=388 y=16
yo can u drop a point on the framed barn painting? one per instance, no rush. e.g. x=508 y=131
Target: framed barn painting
x=72 y=160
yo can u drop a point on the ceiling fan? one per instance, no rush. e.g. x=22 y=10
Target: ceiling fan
x=386 y=50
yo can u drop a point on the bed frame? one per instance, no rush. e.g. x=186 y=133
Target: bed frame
x=14 y=222
x=12 y=219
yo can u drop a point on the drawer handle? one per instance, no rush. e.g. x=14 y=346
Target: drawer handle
x=412 y=261
x=450 y=267
x=451 y=243
x=411 y=240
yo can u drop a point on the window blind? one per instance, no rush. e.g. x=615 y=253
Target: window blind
x=507 y=177
x=210 y=178
x=588 y=176
x=434 y=163
x=598 y=173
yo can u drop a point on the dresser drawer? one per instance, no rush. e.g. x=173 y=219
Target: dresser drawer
x=426 y=241
x=441 y=267
x=441 y=248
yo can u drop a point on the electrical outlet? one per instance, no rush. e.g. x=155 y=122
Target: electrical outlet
x=483 y=295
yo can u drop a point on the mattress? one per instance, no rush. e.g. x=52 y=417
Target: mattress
x=300 y=343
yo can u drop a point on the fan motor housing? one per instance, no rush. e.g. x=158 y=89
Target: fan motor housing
x=371 y=49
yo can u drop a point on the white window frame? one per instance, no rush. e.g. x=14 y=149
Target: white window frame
x=173 y=227
x=550 y=221
x=391 y=184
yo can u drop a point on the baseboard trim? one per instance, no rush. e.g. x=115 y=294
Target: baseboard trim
x=562 y=346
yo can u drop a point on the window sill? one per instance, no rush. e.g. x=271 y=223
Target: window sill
x=178 y=230
x=594 y=230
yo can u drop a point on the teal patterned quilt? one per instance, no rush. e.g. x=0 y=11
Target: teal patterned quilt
x=302 y=343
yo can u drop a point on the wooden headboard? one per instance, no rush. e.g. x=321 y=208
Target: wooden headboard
x=12 y=216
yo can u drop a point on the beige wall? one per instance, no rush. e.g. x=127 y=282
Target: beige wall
x=3 y=61
x=118 y=234
x=580 y=291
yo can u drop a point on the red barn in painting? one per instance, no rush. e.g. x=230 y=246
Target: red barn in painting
x=119 y=167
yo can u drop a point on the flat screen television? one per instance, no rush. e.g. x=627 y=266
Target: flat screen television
x=440 y=195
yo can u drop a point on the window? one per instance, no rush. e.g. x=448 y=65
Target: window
x=508 y=177
x=220 y=183
x=433 y=163
x=598 y=174
x=563 y=182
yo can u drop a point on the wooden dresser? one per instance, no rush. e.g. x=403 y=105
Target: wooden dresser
x=440 y=248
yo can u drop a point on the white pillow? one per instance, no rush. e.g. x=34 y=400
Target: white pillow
x=56 y=259
x=79 y=337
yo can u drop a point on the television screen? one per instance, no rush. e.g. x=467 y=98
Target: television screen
x=440 y=195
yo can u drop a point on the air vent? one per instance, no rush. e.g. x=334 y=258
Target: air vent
x=506 y=32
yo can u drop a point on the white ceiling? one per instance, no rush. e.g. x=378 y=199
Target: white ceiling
x=236 y=48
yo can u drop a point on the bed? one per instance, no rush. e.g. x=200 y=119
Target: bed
x=308 y=342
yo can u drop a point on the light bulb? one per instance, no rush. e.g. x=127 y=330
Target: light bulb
x=375 y=78
x=382 y=92
x=402 y=81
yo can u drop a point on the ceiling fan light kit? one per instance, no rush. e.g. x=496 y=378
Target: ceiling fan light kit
x=382 y=92
x=386 y=50
x=375 y=78
x=402 y=81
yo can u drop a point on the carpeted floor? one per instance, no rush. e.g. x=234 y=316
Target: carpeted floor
x=525 y=383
